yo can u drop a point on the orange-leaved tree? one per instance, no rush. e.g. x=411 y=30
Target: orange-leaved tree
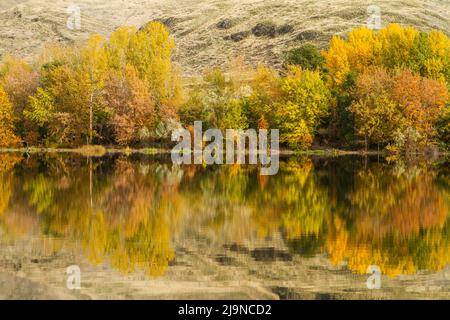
x=130 y=105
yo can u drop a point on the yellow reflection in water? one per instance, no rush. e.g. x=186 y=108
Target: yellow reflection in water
x=127 y=212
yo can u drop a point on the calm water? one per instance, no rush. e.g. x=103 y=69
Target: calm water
x=139 y=227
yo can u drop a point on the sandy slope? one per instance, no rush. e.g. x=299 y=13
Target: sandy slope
x=27 y=26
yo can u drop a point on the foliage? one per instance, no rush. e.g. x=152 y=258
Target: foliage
x=386 y=106
x=443 y=125
x=306 y=56
x=41 y=108
x=303 y=105
x=150 y=51
x=130 y=105
x=393 y=47
x=107 y=90
x=388 y=87
x=216 y=102
x=7 y=136
x=265 y=90
x=19 y=80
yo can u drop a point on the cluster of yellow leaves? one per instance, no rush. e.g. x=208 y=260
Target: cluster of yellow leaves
x=393 y=47
x=304 y=103
x=8 y=137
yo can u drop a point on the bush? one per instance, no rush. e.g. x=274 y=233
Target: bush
x=307 y=56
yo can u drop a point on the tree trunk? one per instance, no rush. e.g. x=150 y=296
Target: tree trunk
x=365 y=142
x=91 y=119
x=91 y=185
x=378 y=152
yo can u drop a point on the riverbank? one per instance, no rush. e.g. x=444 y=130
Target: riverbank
x=100 y=151
x=93 y=151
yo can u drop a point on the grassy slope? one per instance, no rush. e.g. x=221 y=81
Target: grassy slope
x=25 y=28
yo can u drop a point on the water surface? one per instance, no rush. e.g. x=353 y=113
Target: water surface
x=139 y=227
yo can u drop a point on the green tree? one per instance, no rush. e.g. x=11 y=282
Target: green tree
x=443 y=126
x=306 y=56
x=375 y=119
x=265 y=91
x=304 y=105
x=41 y=108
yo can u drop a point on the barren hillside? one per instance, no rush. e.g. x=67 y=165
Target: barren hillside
x=210 y=32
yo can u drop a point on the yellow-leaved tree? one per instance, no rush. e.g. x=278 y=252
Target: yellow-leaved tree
x=393 y=47
x=149 y=51
x=303 y=106
x=362 y=49
x=7 y=136
x=396 y=45
x=93 y=68
x=337 y=60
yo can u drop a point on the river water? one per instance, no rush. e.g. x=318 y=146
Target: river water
x=137 y=226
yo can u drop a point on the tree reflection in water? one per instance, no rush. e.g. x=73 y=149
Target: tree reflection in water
x=129 y=211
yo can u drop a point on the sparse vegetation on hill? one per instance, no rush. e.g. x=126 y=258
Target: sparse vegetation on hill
x=209 y=33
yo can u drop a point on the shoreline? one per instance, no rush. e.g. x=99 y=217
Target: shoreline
x=100 y=151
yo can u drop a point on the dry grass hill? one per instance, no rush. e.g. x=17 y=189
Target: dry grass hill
x=210 y=32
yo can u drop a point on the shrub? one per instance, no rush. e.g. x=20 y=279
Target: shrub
x=306 y=56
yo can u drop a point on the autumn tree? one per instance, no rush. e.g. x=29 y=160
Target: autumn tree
x=363 y=47
x=73 y=94
x=396 y=45
x=302 y=108
x=265 y=90
x=421 y=101
x=41 y=108
x=92 y=69
x=337 y=61
x=19 y=80
x=375 y=118
x=130 y=105
x=8 y=137
x=387 y=107
x=375 y=113
x=149 y=50
x=41 y=111
x=69 y=105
